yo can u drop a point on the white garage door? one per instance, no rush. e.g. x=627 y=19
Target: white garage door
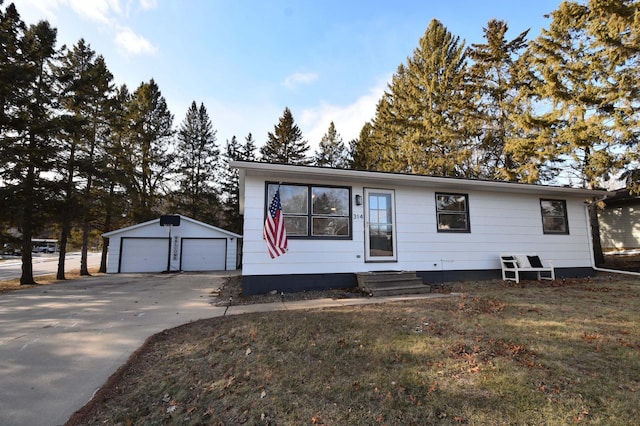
x=144 y=254
x=204 y=254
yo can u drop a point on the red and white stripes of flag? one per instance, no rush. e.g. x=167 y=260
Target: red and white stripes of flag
x=275 y=233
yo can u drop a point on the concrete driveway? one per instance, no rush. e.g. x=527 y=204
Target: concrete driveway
x=60 y=343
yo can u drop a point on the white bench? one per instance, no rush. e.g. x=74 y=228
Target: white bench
x=514 y=264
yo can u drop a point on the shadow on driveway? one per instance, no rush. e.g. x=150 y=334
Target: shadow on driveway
x=59 y=343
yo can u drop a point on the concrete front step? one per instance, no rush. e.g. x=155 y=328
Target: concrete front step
x=391 y=283
x=394 y=282
x=395 y=291
x=384 y=275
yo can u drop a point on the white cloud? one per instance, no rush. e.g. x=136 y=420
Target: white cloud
x=298 y=78
x=260 y=117
x=96 y=10
x=348 y=119
x=106 y=12
x=134 y=44
x=101 y=11
x=39 y=7
x=148 y=4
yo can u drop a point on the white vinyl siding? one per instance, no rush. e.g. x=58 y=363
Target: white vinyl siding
x=620 y=227
x=219 y=255
x=502 y=222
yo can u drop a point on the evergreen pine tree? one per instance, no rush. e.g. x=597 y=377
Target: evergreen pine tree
x=86 y=87
x=231 y=185
x=248 y=149
x=493 y=77
x=331 y=151
x=196 y=161
x=28 y=147
x=234 y=151
x=285 y=145
x=11 y=73
x=615 y=28
x=360 y=152
x=579 y=126
x=112 y=182
x=98 y=113
x=420 y=122
x=11 y=86
x=384 y=145
x=147 y=146
x=71 y=75
x=582 y=77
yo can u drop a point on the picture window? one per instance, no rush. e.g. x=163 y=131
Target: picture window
x=312 y=211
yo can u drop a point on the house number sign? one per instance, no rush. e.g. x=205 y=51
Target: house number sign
x=175 y=248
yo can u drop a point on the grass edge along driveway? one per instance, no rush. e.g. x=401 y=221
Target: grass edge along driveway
x=536 y=353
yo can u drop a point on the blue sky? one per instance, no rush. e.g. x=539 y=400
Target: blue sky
x=247 y=60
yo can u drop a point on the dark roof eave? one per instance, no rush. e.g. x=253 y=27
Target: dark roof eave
x=286 y=171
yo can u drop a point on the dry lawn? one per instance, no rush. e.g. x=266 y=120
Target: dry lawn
x=537 y=353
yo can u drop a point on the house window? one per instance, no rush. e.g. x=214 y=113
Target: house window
x=452 y=211
x=312 y=211
x=554 y=216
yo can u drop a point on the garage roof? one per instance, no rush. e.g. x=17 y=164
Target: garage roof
x=157 y=221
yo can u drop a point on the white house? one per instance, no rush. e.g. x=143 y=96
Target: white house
x=190 y=246
x=620 y=222
x=340 y=222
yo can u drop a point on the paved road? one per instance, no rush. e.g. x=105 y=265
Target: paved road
x=59 y=343
x=45 y=264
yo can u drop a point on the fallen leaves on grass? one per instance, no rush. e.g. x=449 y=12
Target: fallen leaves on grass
x=479 y=304
x=506 y=355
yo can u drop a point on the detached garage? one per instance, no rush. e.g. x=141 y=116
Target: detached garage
x=172 y=243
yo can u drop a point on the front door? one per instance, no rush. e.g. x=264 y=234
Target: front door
x=380 y=233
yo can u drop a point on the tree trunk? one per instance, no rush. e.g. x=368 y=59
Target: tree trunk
x=27 y=259
x=27 y=229
x=103 y=257
x=598 y=256
x=86 y=214
x=64 y=236
x=107 y=228
x=66 y=214
x=84 y=267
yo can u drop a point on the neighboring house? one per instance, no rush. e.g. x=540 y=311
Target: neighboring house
x=190 y=246
x=341 y=222
x=620 y=222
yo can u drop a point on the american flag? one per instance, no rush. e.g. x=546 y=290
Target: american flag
x=274 y=232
